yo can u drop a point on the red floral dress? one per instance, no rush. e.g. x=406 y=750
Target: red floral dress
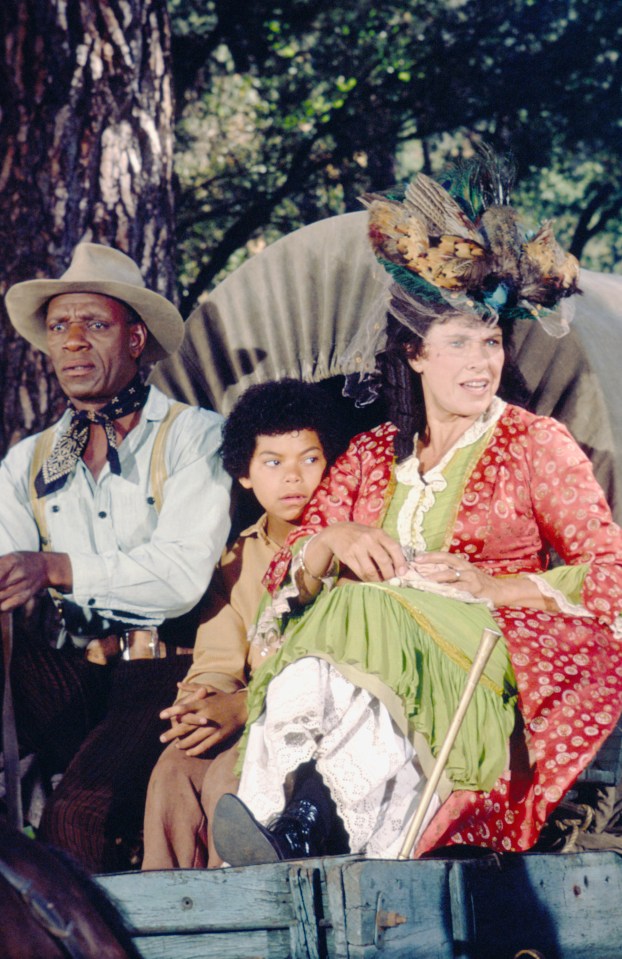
x=532 y=488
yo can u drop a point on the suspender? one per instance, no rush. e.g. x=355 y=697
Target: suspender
x=43 y=448
x=157 y=470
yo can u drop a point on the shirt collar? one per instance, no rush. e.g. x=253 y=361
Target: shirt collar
x=157 y=405
x=258 y=529
x=155 y=409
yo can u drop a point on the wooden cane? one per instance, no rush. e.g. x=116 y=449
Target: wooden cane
x=486 y=645
x=10 y=748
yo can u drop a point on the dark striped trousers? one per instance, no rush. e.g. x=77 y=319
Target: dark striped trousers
x=99 y=726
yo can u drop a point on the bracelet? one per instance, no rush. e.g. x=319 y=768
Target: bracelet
x=303 y=566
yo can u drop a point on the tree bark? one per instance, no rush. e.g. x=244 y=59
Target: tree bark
x=86 y=152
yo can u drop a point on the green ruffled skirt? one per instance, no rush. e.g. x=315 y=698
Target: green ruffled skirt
x=412 y=650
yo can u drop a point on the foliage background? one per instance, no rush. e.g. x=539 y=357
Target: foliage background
x=191 y=133
x=287 y=112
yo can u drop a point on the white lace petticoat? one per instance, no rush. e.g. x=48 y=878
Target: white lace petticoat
x=313 y=713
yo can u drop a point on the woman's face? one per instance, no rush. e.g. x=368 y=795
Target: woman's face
x=460 y=368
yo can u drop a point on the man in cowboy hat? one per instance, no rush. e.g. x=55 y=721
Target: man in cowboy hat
x=120 y=510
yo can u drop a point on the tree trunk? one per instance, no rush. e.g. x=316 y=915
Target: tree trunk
x=86 y=146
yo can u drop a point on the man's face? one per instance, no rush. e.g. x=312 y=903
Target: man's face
x=93 y=347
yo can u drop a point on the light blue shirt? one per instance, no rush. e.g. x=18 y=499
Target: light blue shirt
x=129 y=561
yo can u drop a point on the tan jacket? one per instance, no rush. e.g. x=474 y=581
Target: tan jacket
x=221 y=651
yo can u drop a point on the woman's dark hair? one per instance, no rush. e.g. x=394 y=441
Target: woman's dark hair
x=271 y=409
x=402 y=386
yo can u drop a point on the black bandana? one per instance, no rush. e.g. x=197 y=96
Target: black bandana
x=70 y=446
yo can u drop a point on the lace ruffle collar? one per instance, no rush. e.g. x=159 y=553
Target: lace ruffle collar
x=408 y=473
x=424 y=489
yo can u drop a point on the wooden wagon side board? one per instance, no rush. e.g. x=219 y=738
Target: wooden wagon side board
x=560 y=906
x=557 y=906
x=198 y=914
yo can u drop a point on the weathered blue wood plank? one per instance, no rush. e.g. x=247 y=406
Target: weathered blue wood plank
x=195 y=900
x=256 y=944
x=562 y=906
x=305 y=882
x=401 y=909
x=565 y=906
x=333 y=906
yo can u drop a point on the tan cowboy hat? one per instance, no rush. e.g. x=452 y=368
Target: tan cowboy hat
x=97 y=269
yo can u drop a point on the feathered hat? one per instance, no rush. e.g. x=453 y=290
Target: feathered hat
x=459 y=242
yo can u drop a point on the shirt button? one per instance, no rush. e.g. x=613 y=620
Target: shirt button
x=102 y=514
x=56 y=509
x=150 y=500
x=91 y=601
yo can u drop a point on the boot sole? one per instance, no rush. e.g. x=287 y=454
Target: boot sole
x=239 y=839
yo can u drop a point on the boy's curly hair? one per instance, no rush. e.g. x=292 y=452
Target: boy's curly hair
x=282 y=406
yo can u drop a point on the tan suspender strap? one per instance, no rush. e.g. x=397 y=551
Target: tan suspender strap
x=43 y=448
x=158 y=474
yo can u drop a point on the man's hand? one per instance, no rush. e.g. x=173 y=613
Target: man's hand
x=203 y=718
x=23 y=575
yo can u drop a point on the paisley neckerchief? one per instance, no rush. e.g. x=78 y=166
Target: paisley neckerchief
x=70 y=446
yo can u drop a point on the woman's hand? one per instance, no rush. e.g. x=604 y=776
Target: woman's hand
x=442 y=567
x=370 y=553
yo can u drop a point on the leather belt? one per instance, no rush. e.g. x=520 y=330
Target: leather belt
x=132 y=644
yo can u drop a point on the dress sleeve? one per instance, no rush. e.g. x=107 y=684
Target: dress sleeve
x=575 y=519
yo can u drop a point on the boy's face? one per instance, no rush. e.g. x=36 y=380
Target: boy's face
x=284 y=472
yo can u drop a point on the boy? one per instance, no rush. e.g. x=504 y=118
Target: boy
x=278 y=442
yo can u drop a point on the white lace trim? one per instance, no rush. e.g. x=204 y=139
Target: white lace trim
x=422 y=496
x=266 y=633
x=413 y=579
x=372 y=771
x=571 y=608
x=565 y=606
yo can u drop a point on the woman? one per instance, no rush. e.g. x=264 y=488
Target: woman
x=436 y=526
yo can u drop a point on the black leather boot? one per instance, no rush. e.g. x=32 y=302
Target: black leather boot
x=242 y=841
x=308 y=826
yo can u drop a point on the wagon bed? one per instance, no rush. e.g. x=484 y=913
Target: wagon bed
x=543 y=906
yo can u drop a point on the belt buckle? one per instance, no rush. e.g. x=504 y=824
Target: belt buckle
x=103 y=651
x=128 y=641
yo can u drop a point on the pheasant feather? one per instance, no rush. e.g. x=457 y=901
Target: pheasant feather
x=462 y=239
